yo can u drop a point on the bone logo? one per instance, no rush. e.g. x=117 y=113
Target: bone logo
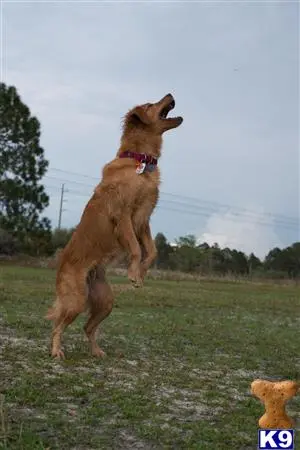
x=276 y=426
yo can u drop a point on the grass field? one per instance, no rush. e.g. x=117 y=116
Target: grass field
x=180 y=360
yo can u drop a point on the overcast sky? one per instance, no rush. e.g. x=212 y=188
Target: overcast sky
x=233 y=69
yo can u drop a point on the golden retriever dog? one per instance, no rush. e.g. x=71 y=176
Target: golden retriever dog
x=115 y=221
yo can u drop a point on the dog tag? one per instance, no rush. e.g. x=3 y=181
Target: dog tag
x=140 y=168
x=151 y=167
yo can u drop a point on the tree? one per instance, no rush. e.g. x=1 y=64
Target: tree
x=239 y=263
x=189 y=241
x=61 y=236
x=204 y=263
x=254 y=263
x=284 y=261
x=164 y=250
x=186 y=258
x=8 y=244
x=295 y=259
x=216 y=259
x=22 y=165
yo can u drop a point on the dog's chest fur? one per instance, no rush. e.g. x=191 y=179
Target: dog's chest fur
x=147 y=194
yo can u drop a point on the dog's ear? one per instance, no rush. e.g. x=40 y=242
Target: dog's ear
x=140 y=114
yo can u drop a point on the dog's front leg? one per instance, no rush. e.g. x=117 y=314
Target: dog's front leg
x=150 y=249
x=128 y=240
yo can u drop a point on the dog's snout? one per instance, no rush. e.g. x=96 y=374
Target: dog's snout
x=170 y=97
x=167 y=99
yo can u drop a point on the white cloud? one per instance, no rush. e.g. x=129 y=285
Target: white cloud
x=242 y=232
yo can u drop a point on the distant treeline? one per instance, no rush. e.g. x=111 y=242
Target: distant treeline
x=188 y=256
x=185 y=256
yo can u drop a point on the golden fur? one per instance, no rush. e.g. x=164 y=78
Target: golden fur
x=114 y=221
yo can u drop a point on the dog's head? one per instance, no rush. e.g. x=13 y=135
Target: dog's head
x=153 y=116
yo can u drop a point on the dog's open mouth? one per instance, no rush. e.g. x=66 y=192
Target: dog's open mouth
x=166 y=109
x=167 y=104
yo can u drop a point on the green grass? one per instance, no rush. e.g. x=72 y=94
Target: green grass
x=180 y=360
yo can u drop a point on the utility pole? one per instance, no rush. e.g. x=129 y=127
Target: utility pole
x=61 y=205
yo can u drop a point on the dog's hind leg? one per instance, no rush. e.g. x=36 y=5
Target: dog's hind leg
x=100 y=302
x=60 y=323
x=71 y=301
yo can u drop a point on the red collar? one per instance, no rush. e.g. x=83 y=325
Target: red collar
x=140 y=157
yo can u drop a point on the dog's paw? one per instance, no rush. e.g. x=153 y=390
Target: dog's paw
x=135 y=278
x=137 y=282
x=98 y=353
x=58 y=354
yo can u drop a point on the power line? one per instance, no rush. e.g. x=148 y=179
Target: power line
x=168 y=205
x=198 y=210
x=230 y=219
x=193 y=199
x=74 y=173
x=209 y=205
x=230 y=207
x=69 y=181
x=231 y=212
